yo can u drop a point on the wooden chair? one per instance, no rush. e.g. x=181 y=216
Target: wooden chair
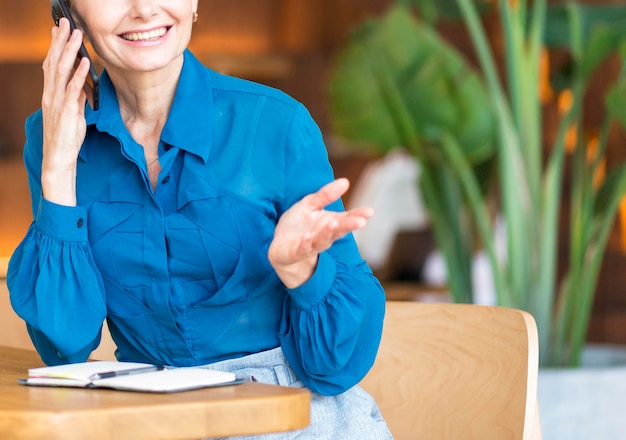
x=457 y=371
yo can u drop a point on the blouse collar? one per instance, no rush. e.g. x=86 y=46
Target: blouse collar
x=189 y=124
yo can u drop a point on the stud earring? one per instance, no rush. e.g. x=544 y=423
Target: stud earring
x=195 y=16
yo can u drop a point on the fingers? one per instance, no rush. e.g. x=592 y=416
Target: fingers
x=60 y=36
x=364 y=212
x=330 y=226
x=307 y=229
x=75 y=91
x=61 y=83
x=334 y=227
x=328 y=193
x=63 y=101
x=342 y=222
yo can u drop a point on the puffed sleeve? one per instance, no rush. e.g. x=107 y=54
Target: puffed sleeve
x=332 y=324
x=53 y=282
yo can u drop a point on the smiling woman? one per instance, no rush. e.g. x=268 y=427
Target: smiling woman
x=198 y=214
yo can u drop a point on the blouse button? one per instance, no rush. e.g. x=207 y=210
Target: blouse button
x=80 y=222
x=165 y=179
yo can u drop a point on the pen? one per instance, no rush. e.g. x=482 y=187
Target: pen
x=109 y=374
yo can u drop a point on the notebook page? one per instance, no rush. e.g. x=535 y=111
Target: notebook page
x=82 y=371
x=175 y=379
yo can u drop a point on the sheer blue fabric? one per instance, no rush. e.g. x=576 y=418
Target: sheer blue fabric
x=181 y=272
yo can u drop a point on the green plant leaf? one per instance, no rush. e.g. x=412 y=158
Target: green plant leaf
x=590 y=33
x=558 y=29
x=436 y=86
x=616 y=101
x=612 y=189
x=444 y=9
x=604 y=41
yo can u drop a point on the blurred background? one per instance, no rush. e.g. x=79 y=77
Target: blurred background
x=291 y=45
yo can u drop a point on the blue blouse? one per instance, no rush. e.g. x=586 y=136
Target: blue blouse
x=181 y=273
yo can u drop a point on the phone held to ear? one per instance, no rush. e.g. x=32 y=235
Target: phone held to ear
x=60 y=8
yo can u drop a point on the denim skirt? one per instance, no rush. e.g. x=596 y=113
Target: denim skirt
x=352 y=415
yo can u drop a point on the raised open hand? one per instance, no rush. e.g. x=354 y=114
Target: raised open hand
x=307 y=229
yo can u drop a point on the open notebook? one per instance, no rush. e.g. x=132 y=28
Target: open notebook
x=128 y=376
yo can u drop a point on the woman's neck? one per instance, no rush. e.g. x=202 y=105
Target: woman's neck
x=145 y=98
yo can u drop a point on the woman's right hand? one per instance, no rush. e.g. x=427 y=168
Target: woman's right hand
x=63 y=109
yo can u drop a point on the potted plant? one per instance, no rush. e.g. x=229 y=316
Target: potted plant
x=398 y=83
x=482 y=151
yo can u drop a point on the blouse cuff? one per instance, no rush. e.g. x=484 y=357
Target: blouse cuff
x=65 y=223
x=317 y=287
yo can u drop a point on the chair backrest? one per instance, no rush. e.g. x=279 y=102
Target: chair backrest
x=457 y=371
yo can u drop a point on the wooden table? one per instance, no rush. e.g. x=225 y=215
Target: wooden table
x=67 y=413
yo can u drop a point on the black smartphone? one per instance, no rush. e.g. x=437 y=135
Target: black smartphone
x=60 y=8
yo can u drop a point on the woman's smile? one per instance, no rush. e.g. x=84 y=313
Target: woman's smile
x=150 y=35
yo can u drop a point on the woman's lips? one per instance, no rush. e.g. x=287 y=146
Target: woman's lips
x=151 y=35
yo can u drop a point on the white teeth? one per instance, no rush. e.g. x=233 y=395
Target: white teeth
x=143 y=36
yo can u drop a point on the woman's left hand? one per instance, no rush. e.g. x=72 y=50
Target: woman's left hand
x=307 y=229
